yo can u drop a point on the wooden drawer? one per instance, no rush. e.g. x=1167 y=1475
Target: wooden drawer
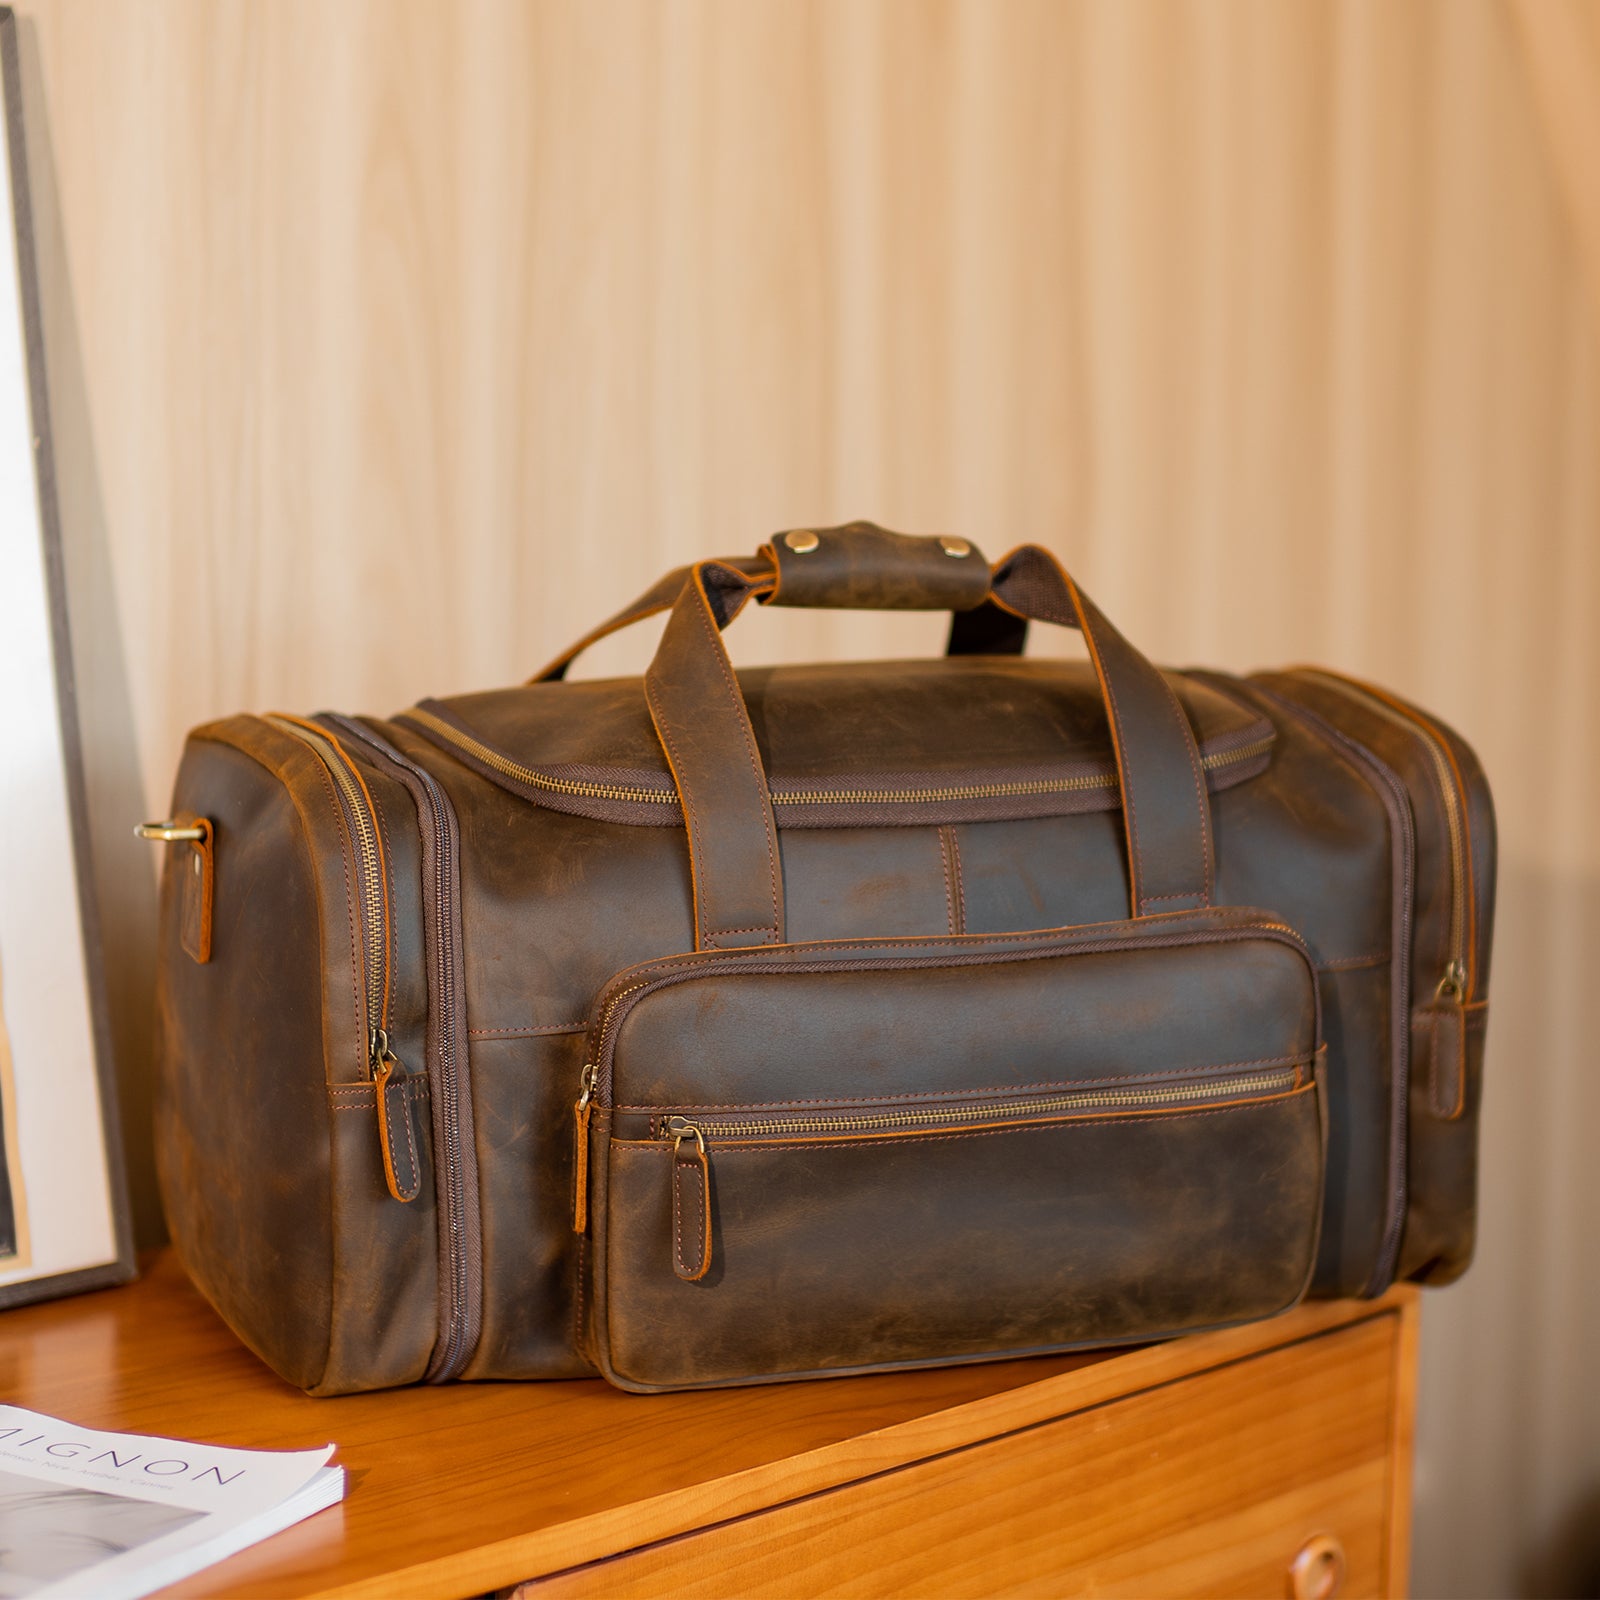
x=1208 y=1485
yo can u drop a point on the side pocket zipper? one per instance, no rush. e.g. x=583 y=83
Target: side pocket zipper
x=391 y=1082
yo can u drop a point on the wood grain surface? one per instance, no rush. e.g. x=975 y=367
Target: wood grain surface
x=464 y=1488
x=388 y=339
x=1205 y=1486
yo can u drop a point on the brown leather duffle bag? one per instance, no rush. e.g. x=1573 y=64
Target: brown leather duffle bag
x=721 y=1027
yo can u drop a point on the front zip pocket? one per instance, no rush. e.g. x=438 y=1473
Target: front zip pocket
x=826 y=1158
x=695 y=1136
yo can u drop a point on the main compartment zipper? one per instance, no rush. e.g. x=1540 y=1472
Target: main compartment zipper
x=1458 y=978
x=666 y=795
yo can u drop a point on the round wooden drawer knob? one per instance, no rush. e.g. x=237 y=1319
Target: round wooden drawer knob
x=1317 y=1571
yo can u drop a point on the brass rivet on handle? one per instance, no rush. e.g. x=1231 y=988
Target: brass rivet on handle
x=802 y=541
x=955 y=547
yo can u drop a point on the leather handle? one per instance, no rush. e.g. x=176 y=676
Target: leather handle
x=858 y=566
x=704 y=728
x=862 y=567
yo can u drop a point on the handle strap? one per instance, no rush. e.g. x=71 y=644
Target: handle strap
x=704 y=728
x=857 y=566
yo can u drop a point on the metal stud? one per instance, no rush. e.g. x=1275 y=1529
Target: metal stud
x=955 y=547
x=802 y=541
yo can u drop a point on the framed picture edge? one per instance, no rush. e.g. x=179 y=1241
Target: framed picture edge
x=122 y=1268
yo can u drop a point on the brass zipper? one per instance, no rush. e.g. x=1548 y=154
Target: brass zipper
x=844 y=1123
x=667 y=796
x=1456 y=981
x=692 y=1138
x=371 y=875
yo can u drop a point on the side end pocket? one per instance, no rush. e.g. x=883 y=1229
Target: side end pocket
x=1447 y=1040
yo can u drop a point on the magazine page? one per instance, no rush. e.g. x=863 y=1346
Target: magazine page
x=117 y=1514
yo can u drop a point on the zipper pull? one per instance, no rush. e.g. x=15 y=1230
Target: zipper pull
x=580 y=1150
x=691 y=1200
x=1453 y=985
x=397 y=1133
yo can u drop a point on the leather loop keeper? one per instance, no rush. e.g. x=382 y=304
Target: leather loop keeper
x=197 y=869
x=862 y=567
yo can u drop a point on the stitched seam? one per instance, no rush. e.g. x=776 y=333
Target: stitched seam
x=1156 y=1119
x=390 y=1103
x=703 y=1218
x=360 y=1097
x=389 y=1145
x=689 y=1268
x=954 y=889
x=742 y=717
x=1345 y=963
x=1228 y=933
x=1188 y=894
x=527 y=1033
x=1002 y=1088
x=949 y=891
x=677 y=1216
x=827 y=951
x=961 y=881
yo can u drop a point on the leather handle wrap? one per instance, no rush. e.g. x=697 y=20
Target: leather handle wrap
x=704 y=727
x=862 y=567
x=858 y=566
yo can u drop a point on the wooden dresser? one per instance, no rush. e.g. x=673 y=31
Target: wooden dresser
x=1272 y=1460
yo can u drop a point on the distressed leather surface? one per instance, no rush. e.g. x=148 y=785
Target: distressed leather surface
x=270 y=1154
x=804 y=1252
x=863 y=567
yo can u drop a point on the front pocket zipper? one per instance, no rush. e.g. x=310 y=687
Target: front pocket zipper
x=693 y=1139
x=1458 y=980
x=594 y=1083
x=390 y=1081
x=850 y=1124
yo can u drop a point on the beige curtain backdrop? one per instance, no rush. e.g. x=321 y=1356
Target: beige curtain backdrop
x=389 y=341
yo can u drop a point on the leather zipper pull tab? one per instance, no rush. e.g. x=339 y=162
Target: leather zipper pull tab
x=397 y=1133
x=691 y=1201
x=580 y=1151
